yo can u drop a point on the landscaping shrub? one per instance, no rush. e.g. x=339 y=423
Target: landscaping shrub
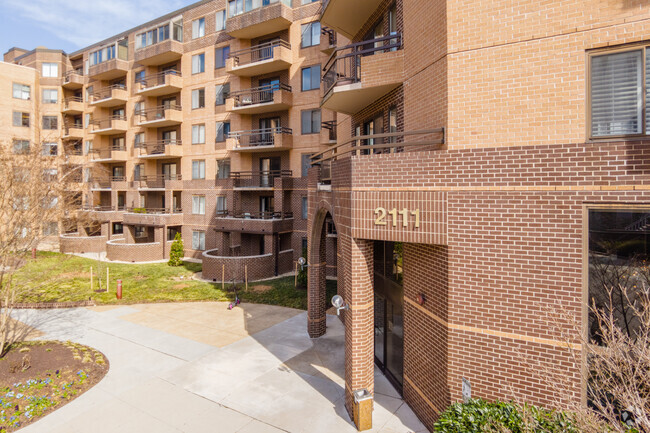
x=177 y=251
x=502 y=417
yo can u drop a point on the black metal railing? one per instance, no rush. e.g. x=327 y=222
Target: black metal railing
x=257 y=95
x=258 y=137
x=105 y=93
x=257 y=53
x=257 y=179
x=271 y=215
x=330 y=34
x=344 y=65
x=106 y=122
x=156 y=147
x=154 y=211
x=70 y=100
x=330 y=126
x=156 y=182
x=156 y=113
x=158 y=79
x=395 y=142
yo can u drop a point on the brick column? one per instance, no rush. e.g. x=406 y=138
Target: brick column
x=359 y=323
x=317 y=272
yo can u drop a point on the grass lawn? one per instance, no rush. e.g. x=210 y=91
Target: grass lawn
x=54 y=277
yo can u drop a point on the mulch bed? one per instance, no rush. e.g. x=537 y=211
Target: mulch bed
x=38 y=377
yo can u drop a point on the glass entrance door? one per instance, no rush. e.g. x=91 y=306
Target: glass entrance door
x=389 y=311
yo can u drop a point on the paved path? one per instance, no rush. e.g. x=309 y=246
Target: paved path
x=201 y=368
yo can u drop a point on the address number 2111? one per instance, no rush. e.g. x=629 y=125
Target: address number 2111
x=382 y=215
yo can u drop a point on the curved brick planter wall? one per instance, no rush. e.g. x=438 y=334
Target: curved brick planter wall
x=259 y=267
x=119 y=251
x=82 y=244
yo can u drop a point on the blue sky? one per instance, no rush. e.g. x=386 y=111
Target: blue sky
x=73 y=24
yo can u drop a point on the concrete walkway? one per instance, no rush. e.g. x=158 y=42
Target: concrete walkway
x=201 y=368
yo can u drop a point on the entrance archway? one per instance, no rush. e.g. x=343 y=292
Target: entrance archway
x=317 y=272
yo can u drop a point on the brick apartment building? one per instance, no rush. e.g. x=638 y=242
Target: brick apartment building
x=494 y=159
x=200 y=122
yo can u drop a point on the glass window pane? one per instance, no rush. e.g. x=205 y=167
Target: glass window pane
x=306 y=79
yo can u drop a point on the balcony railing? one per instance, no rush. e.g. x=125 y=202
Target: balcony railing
x=154 y=211
x=106 y=122
x=257 y=95
x=159 y=113
x=105 y=93
x=258 y=179
x=330 y=35
x=106 y=153
x=254 y=215
x=105 y=182
x=73 y=76
x=395 y=142
x=258 y=137
x=70 y=101
x=344 y=65
x=155 y=182
x=330 y=125
x=70 y=128
x=159 y=79
x=257 y=53
x=156 y=147
x=102 y=208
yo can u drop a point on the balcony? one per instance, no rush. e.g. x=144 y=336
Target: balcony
x=265 y=99
x=161 y=84
x=73 y=131
x=258 y=180
x=328 y=132
x=153 y=217
x=161 y=149
x=111 y=96
x=254 y=222
x=261 y=21
x=73 y=105
x=347 y=17
x=109 y=69
x=261 y=140
x=104 y=213
x=327 y=40
x=261 y=59
x=358 y=74
x=114 y=154
x=159 y=54
x=164 y=115
x=111 y=125
x=74 y=80
x=158 y=182
x=107 y=183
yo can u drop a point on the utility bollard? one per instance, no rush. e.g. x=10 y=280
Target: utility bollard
x=33 y=253
x=118 y=292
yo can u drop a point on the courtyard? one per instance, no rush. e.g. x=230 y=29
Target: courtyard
x=198 y=367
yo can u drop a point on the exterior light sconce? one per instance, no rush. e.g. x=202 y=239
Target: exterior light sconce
x=303 y=263
x=420 y=299
x=339 y=304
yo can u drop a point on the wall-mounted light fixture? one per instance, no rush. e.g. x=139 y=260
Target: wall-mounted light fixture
x=420 y=299
x=339 y=304
x=303 y=263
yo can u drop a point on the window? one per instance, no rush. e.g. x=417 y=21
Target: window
x=198 y=28
x=198 y=241
x=305 y=2
x=305 y=208
x=160 y=34
x=310 y=121
x=198 y=98
x=220 y=56
x=618 y=84
x=50 y=70
x=222 y=91
x=171 y=233
x=311 y=78
x=50 y=228
x=198 y=134
x=50 y=175
x=198 y=170
x=21 y=119
x=138 y=140
x=198 y=63
x=305 y=163
x=21 y=91
x=222 y=205
x=50 y=96
x=223 y=168
x=223 y=129
x=86 y=120
x=118 y=229
x=138 y=171
x=50 y=149
x=102 y=55
x=221 y=20
x=198 y=205
x=140 y=232
x=21 y=147
x=139 y=77
x=50 y=122
x=310 y=34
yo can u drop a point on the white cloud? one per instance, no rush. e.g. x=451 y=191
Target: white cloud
x=85 y=22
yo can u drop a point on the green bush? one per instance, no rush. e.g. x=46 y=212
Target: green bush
x=177 y=251
x=302 y=271
x=139 y=210
x=483 y=416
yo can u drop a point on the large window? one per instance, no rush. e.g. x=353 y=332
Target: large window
x=310 y=121
x=198 y=98
x=223 y=168
x=50 y=96
x=238 y=7
x=198 y=134
x=305 y=208
x=50 y=122
x=618 y=85
x=21 y=147
x=117 y=50
x=220 y=56
x=198 y=28
x=223 y=129
x=160 y=34
x=311 y=78
x=222 y=205
x=50 y=70
x=305 y=163
x=50 y=149
x=310 y=34
x=21 y=119
x=198 y=63
x=198 y=169
x=222 y=93
x=198 y=241
x=21 y=91
x=198 y=205
x=221 y=20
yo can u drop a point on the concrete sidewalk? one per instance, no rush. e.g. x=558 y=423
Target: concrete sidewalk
x=201 y=368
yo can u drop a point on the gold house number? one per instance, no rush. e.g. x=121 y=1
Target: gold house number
x=381 y=214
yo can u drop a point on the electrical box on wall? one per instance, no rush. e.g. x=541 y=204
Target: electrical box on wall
x=467 y=390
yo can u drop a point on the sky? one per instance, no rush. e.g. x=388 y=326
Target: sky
x=74 y=24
